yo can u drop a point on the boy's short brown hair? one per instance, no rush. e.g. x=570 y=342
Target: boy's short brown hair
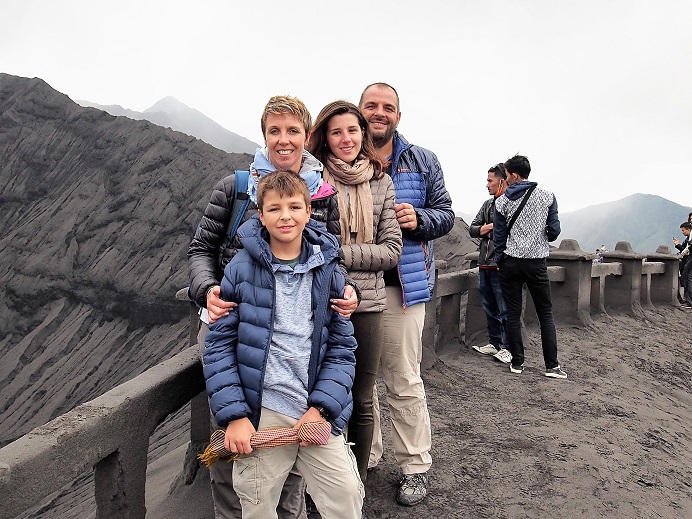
x=284 y=183
x=287 y=105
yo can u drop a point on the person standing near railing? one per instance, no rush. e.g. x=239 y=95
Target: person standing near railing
x=284 y=357
x=370 y=244
x=424 y=213
x=526 y=219
x=685 y=264
x=285 y=124
x=488 y=278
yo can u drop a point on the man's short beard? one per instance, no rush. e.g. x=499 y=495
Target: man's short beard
x=381 y=142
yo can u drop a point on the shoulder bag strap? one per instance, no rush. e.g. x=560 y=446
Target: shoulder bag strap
x=521 y=206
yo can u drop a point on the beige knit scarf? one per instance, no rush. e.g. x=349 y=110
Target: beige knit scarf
x=354 y=197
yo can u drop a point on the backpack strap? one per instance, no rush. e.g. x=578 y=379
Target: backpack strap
x=240 y=202
x=238 y=205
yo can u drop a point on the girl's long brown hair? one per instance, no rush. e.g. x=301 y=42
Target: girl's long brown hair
x=319 y=147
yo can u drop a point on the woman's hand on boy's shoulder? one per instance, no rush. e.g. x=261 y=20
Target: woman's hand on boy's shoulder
x=237 y=438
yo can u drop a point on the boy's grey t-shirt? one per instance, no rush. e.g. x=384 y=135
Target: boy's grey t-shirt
x=285 y=388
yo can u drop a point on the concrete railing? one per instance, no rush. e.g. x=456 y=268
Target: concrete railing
x=111 y=433
x=625 y=283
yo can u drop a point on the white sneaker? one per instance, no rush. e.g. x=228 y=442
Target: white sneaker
x=488 y=349
x=503 y=356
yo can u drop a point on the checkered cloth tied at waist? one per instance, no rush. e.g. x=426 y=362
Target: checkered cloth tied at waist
x=313 y=433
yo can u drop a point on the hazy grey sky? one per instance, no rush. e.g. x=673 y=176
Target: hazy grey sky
x=597 y=93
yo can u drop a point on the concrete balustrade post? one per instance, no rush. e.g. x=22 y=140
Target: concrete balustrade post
x=430 y=324
x=200 y=422
x=476 y=322
x=572 y=296
x=200 y=429
x=664 y=287
x=448 y=320
x=624 y=291
x=120 y=482
x=429 y=338
x=599 y=273
x=597 y=294
x=451 y=289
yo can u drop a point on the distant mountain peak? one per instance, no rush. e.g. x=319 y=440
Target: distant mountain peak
x=645 y=221
x=628 y=202
x=168 y=104
x=171 y=113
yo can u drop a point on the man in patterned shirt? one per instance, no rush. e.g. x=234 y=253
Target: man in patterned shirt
x=521 y=236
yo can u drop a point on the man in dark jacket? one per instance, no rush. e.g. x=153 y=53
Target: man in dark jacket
x=488 y=279
x=521 y=237
x=685 y=264
x=424 y=212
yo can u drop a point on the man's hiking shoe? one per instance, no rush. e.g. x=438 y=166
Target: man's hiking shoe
x=503 y=356
x=516 y=369
x=412 y=489
x=555 y=373
x=488 y=349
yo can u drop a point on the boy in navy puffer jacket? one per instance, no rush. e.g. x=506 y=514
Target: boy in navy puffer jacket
x=283 y=357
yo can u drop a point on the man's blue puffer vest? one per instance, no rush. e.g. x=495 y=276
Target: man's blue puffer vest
x=419 y=181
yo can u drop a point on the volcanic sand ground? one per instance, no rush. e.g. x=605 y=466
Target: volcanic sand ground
x=613 y=440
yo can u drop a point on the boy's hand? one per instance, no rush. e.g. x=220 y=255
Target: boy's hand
x=346 y=306
x=675 y=241
x=312 y=415
x=216 y=306
x=237 y=437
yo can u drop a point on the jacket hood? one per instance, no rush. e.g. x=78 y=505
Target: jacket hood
x=310 y=171
x=263 y=166
x=516 y=191
x=316 y=240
